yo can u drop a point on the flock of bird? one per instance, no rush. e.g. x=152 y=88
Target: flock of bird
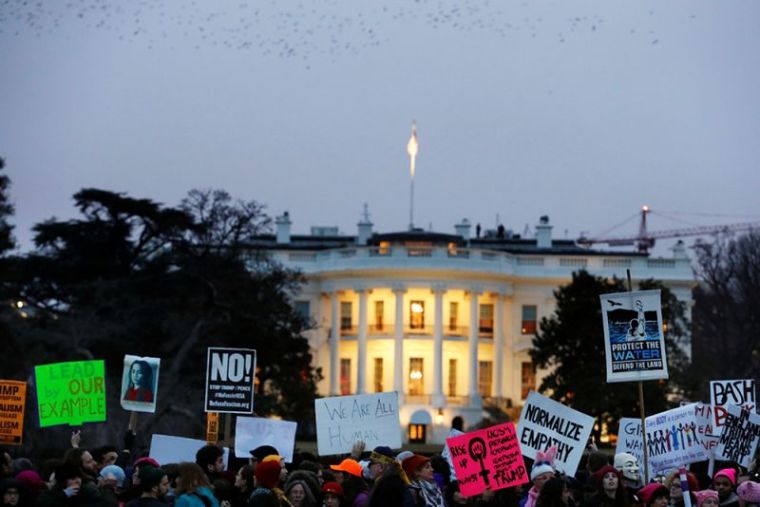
x=296 y=29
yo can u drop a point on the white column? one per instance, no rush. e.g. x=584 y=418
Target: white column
x=361 y=342
x=498 y=346
x=475 y=399
x=334 y=336
x=398 y=352
x=439 y=401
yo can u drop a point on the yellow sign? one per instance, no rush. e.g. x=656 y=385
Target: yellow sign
x=212 y=427
x=12 y=399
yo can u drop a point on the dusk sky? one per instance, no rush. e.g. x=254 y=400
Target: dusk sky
x=580 y=110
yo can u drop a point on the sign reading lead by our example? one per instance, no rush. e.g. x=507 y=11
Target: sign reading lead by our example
x=229 y=380
x=71 y=393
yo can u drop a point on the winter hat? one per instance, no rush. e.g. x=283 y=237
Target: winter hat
x=146 y=461
x=648 y=493
x=30 y=480
x=749 y=491
x=349 y=466
x=309 y=480
x=606 y=469
x=384 y=450
x=310 y=498
x=273 y=457
x=400 y=457
x=706 y=494
x=268 y=474
x=263 y=451
x=114 y=470
x=412 y=464
x=728 y=473
x=332 y=488
x=544 y=463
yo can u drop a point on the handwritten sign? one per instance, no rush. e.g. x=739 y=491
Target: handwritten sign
x=488 y=458
x=740 y=436
x=731 y=392
x=633 y=339
x=342 y=420
x=170 y=449
x=545 y=423
x=12 y=403
x=71 y=393
x=229 y=380
x=251 y=432
x=630 y=440
x=673 y=440
x=139 y=383
x=707 y=433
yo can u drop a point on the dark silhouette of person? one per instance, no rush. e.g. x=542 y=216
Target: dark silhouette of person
x=140 y=386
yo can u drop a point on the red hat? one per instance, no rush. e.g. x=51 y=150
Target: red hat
x=30 y=480
x=147 y=460
x=412 y=464
x=332 y=488
x=350 y=466
x=648 y=493
x=606 y=469
x=728 y=473
x=268 y=474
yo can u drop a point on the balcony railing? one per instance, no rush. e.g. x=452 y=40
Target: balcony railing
x=417 y=399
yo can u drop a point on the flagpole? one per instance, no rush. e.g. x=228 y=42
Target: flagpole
x=412 y=147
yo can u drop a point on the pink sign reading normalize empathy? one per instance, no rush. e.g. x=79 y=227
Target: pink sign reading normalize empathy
x=488 y=458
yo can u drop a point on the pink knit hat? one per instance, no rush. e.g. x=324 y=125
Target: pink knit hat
x=749 y=491
x=728 y=473
x=706 y=494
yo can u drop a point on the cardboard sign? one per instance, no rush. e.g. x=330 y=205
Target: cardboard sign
x=139 y=383
x=169 y=449
x=488 y=458
x=731 y=392
x=229 y=380
x=251 y=432
x=71 y=393
x=545 y=423
x=707 y=432
x=673 y=440
x=633 y=338
x=212 y=427
x=740 y=436
x=630 y=440
x=12 y=403
x=342 y=420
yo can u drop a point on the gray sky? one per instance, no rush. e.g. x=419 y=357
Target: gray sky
x=577 y=109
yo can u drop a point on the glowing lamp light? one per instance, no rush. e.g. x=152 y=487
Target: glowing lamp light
x=415 y=375
x=439 y=417
x=417 y=308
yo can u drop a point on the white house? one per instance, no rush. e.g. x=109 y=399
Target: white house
x=445 y=320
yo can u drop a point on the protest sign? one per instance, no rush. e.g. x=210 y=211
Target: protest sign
x=446 y=454
x=12 y=403
x=630 y=440
x=731 y=392
x=251 y=432
x=71 y=393
x=229 y=380
x=342 y=420
x=707 y=433
x=545 y=423
x=170 y=449
x=139 y=383
x=672 y=439
x=212 y=427
x=633 y=338
x=740 y=436
x=488 y=458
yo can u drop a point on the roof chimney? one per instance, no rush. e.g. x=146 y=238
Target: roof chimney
x=365 y=227
x=283 y=224
x=463 y=229
x=543 y=233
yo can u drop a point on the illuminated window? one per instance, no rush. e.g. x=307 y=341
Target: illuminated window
x=384 y=248
x=453 y=315
x=417 y=433
x=528 y=379
x=452 y=377
x=485 y=323
x=485 y=377
x=345 y=315
x=416 y=374
x=345 y=376
x=379 y=311
x=529 y=313
x=378 y=374
x=417 y=315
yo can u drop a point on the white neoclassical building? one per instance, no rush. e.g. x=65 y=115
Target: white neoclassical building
x=445 y=320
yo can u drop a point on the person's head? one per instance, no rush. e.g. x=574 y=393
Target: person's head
x=190 y=477
x=332 y=494
x=724 y=481
x=82 y=459
x=258 y=454
x=378 y=461
x=707 y=498
x=68 y=475
x=296 y=493
x=114 y=473
x=281 y=461
x=608 y=480
x=634 y=324
x=211 y=459
x=673 y=482
x=141 y=375
x=553 y=493
x=104 y=456
x=653 y=495
x=11 y=492
x=418 y=468
x=749 y=492
x=244 y=478
x=347 y=467
x=154 y=483
x=140 y=465
x=629 y=465
x=267 y=474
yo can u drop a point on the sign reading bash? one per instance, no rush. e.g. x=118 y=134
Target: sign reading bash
x=71 y=393
x=488 y=458
x=229 y=380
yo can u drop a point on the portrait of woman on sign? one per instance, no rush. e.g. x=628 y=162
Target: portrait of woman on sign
x=140 y=383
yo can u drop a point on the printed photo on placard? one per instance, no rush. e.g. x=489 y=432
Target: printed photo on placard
x=634 y=341
x=139 y=383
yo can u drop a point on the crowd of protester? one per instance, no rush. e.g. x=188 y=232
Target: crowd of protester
x=111 y=477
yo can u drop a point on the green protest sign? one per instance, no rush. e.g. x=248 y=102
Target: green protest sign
x=71 y=393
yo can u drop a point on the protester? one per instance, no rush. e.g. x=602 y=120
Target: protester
x=267 y=494
x=332 y=495
x=653 y=495
x=258 y=454
x=419 y=470
x=749 y=493
x=629 y=466
x=554 y=493
x=244 y=486
x=724 y=482
x=706 y=498
x=302 y=489
x=154 y=485
x=10 y=492
x=391 y=489
x=193 y=487
x=542 y=471
x=610 y=491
